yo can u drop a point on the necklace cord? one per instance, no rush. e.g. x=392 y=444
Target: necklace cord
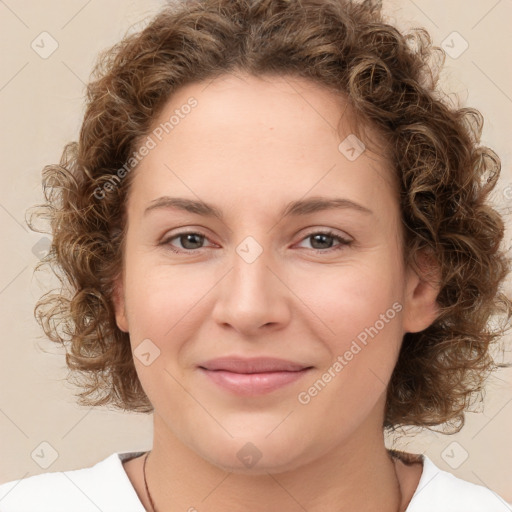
x=146 y=483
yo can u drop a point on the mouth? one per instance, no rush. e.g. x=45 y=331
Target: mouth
x=256 y=376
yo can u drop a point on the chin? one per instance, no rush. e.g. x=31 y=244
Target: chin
x=254 y=455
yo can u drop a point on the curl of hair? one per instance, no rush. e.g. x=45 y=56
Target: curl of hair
x=444 y=177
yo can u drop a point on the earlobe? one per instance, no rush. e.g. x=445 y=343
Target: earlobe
x=421 y=291
x=119 y=305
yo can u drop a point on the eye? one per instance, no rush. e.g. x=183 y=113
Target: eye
x=323 y=241
x=189 y=241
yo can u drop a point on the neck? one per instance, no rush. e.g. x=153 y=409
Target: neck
x=355 y=476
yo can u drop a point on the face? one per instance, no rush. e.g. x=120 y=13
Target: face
x=266 y=271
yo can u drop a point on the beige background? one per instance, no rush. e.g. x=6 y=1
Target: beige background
x=41 y=103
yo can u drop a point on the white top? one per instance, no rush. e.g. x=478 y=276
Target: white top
x=105 y=487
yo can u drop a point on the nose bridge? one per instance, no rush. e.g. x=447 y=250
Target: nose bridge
x=250 y=295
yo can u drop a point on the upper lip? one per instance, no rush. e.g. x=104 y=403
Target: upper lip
x=252 y=365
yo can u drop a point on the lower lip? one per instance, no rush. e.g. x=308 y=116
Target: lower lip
x=250 y=384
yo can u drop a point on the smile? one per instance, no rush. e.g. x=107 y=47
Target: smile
x=250 y=377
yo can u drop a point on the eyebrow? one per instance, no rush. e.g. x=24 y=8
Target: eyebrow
x=294 y=208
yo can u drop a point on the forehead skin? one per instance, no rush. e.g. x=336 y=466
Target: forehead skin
x=255 y=132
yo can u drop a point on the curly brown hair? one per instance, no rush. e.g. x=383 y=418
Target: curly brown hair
x=390 y=81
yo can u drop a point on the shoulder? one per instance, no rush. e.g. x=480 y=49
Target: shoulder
x=104 y=486
x=443 y=492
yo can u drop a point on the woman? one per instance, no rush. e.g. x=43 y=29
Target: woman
x=279 y=243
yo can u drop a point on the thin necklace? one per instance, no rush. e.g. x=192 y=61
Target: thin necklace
x=153 y=509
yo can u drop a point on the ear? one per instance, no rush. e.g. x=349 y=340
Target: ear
x=421 y=291
x=119 y=305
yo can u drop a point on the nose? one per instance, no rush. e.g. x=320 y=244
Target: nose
x=252 y=296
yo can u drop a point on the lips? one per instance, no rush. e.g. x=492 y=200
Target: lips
x=253 y=365
x=250 y=377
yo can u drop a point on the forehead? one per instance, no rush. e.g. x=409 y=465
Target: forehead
x=256 y=131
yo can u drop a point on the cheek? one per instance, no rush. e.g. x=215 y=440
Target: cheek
x=162 y=297
x=353 y=298
x=163 y=305
x=362 y=308
x=361 y=305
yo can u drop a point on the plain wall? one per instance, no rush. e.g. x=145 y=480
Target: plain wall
x=41 y=104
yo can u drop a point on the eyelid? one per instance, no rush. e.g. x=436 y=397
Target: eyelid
x=343 y=241
x=328 y=231
x=167 y=239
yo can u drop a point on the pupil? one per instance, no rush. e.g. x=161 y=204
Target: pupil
x=321 y=237
x=189 y=236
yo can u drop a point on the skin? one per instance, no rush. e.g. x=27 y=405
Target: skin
x=251 y=146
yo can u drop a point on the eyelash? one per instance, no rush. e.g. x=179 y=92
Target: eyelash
x=343 y=242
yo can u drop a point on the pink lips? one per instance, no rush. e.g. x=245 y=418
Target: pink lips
x=252 y=376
